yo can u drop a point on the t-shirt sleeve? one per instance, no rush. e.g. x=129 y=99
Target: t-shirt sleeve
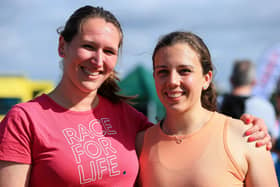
x=15 y=137
x=138 y=118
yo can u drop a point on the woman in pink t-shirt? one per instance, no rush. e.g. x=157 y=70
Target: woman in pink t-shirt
x=83 y=132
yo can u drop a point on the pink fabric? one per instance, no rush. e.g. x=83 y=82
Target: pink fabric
x=67 y=148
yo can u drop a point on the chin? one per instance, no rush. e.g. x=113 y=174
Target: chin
x=87 y=88
x=176 y=108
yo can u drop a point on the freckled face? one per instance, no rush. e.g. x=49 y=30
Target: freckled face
x=91 y=56
x=179 y=77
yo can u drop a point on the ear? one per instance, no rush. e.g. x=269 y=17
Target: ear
x=207 y=79
x=61 y=46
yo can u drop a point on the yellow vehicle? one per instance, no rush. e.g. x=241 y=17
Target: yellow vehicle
x=16 y=89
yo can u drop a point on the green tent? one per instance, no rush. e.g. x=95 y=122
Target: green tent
x=139 y=82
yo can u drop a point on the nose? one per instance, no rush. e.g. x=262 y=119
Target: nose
x=174 y=79
x=97 y=58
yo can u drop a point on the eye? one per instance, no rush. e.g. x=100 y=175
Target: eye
x=110 y=52
x=87 y=46
x=162 y=72
x=184 y=71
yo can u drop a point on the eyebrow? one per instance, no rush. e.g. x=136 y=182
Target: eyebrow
x=96 y=44
x=160 y=66
x=186 y=66
x=180 y=66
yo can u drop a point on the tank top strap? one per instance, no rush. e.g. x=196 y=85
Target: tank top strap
x=238 y=171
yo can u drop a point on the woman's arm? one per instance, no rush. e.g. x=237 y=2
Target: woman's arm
x=13 y=174
x=261 y=171
x=256 y=163
x=139 y=142
x=138 y=146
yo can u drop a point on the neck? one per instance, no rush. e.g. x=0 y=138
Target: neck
x=185 y=124
x=74 y=100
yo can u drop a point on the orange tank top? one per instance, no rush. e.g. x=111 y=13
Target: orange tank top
x=201 y=159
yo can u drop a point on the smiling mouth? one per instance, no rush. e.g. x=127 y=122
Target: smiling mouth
x=174 y=95
x=95 y=73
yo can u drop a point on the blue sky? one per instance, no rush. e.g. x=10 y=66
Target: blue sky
x=232 y=29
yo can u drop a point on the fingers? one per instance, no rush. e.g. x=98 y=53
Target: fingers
x=258 y=131
x=259 y=136
x=265 y=141
x=253 y=130
x=258 y=125
x=262 y=140
x=269 y=146
x=247 y=118
x=260 y=122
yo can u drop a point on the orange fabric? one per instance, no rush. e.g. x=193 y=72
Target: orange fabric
x=201 y=159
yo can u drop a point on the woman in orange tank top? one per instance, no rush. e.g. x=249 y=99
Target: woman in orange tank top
x=194 y=145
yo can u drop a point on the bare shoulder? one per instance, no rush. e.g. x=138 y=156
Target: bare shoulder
x=255 y=162
x=236 y=136
x=237 y=127
x=237 y=142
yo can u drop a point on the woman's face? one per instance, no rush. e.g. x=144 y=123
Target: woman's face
x=91 y=56
x=179 y=77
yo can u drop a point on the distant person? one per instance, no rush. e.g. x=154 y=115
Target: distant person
x=276 y=146
x=277 y=102
x=83 y=132
x=194 y=145
x=241 y=100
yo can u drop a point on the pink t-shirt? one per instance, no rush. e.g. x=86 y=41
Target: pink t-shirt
x=68 y=148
